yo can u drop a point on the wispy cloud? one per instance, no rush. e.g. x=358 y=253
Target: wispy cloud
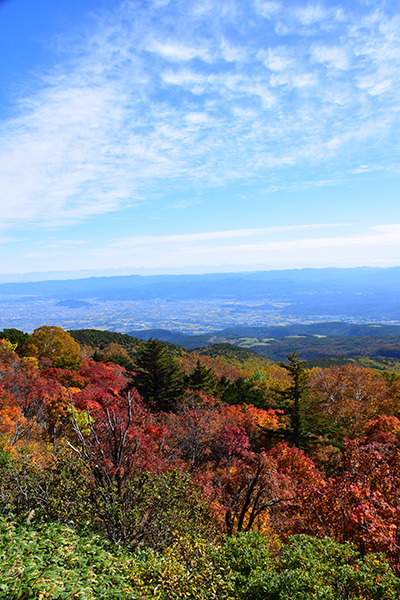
x=217 y=235
x=274 y=246
x=318 y=245
x=208 y=93
x=177 y=52
x=335 y=56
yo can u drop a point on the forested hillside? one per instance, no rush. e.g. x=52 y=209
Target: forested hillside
x=133 y=469
x=321 y=344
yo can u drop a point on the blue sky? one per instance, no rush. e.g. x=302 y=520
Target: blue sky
x=198 y=135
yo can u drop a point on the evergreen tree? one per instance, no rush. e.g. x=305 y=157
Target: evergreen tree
x=202 y=378
x=296 y=393
x=159 y=379
x=242 y=392
x=15 y=336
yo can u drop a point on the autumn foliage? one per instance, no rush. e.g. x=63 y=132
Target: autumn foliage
x=81 y=446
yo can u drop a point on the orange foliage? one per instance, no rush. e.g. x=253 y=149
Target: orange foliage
x=219 y=367
x=350 y=395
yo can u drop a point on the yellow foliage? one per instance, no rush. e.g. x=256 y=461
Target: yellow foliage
x=187 y=570
x=31 y=360
x=57 y=345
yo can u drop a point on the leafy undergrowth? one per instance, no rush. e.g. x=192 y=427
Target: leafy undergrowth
x=52 y=561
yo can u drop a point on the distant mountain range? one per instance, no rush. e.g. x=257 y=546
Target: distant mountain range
x=356 y=284
x=208 y=302
x=278 y=332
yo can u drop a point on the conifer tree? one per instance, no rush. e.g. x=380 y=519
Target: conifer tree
x=202 y=378
x=296 y=393
x=158 y=380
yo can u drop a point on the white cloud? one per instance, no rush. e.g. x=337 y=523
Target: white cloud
x=332 y=55
x=375 y=85
x=277 y=247
x=293 y=79
x=152 y=94
x=217 y=235
x=277 y=59
x=161 y=2
x=268 y=99
x=330 y=244
x=310 y=14
x=267 y=8
x=178 y=52
x=231 y=52
x=63 y=244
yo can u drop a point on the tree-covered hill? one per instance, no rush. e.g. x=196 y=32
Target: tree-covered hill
x=331 y=346
x=234 y=355
x=315 y=341
x=100 y=338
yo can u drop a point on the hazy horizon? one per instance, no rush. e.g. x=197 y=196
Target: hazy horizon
x=83 y=274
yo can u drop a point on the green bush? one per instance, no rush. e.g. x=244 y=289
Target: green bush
x=190 y=568
x=307 y=568
x=52 y=561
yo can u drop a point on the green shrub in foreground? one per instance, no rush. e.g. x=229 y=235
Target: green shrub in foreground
x=49 y=561
x=307 y=568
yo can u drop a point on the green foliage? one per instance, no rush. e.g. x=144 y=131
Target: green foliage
x=162 y=506
x=307 y=568
x=202 y=379
x=159 y=379
x=295 y=394
x=234 y=355
x=190 y=568
x=15 y=336
x=52 y=561
x=116 y=354
x=243 y=392
x=55 y=487
x=102 y=339
x=151 y=511
x=378 y=363
x=7 y=482
x=249 y=558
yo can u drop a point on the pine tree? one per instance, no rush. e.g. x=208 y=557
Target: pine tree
x=296 y=393
x=202 y=378
x=158 y=380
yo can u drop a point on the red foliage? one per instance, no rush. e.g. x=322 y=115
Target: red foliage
x=385 y=429
x=104 y=383
x=66 y=377
x=223 y=447
x=359 y=505
x=122 y=440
